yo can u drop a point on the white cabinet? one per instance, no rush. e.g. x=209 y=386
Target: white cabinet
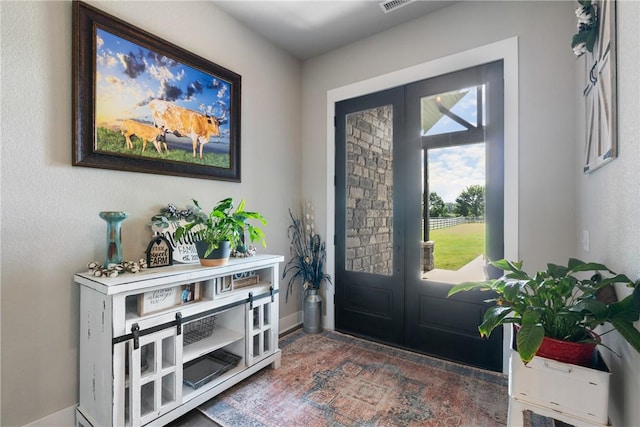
x=158 y=343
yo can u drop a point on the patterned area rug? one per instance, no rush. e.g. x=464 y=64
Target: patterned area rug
x=331 y=379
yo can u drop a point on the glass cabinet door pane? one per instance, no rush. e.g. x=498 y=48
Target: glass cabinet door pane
x=147 y=399
x=168 y=389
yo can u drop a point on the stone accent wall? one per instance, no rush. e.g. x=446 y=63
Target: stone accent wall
x=370 y=191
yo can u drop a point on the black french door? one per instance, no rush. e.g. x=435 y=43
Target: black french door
x=370 y=249
x=387 y=144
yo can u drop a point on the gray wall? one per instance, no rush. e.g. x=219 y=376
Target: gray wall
x=609 y=208
x=50 y=223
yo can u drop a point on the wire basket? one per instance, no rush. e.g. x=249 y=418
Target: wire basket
x=198 y=329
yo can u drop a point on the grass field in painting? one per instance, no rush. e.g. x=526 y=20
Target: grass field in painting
x=114 y=142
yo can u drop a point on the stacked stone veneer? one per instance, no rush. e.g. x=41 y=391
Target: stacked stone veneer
x=369 y=219
x=427 y=261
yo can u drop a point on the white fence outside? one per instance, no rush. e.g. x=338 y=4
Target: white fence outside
x=436 y=223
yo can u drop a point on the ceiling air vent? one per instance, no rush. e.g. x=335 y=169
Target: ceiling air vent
x=391 y=5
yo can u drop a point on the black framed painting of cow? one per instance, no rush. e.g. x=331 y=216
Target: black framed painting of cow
x=143 y=104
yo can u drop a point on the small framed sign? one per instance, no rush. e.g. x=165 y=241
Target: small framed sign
x=184 y=250
x=159 y=253
x=162 y=299
x=246 y=281
x=223 y=284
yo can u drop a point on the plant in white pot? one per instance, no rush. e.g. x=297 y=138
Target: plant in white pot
x=221 y=230
x=306 y=266
x=563 y=304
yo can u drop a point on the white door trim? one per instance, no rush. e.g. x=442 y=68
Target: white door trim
x=506 y=50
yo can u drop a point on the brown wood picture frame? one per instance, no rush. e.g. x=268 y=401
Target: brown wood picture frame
x=143 y=104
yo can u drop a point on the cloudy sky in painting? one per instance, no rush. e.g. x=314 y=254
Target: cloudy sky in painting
x=453 y=169
x=129 y=76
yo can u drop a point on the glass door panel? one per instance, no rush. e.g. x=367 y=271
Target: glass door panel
x=454 y=227
x=369 y=235
x=369 y=218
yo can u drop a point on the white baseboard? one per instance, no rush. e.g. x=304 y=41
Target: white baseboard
x=63 y=418
x=290 y=322
x=294 y=320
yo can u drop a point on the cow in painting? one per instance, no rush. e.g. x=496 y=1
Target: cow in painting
x=145 y=132
x=184 y=122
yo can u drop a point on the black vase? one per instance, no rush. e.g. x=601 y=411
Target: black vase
x=217 y=257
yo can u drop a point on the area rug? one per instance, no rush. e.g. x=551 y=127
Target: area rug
x=332 y=379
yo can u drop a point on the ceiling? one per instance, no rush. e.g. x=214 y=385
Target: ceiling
x=307 y=28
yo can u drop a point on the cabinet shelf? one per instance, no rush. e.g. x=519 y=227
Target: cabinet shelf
x=220 y=337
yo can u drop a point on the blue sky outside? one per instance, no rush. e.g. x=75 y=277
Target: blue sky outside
x=129 y=76
x=453 y=169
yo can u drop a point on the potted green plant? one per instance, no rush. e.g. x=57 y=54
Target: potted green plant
x=562 y=304
x=221 y=230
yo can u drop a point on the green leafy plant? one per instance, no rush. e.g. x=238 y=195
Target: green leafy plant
x=562 y=302
x=308 y=253
x=222 y=224
x=585 y=38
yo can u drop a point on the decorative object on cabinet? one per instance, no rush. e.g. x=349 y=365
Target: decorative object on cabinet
x=161 y=299
x=600 y=91
x=308 y=254
x=245 y=281
x=159 y=253
x=562 y=302
x=198 y=329
x=114 y=237
x=222 y=229
x=238 y=332
x=218 y=256
x=167 y=222
x=112 y=270
x=187 y=113
x=246 y=252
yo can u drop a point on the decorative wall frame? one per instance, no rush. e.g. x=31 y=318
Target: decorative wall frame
x=600 y=91
x=143 y=104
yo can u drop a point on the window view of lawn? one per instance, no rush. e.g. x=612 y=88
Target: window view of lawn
x=456 y=246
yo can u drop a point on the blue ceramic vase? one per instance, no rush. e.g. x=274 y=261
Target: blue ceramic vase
x=114 y=240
